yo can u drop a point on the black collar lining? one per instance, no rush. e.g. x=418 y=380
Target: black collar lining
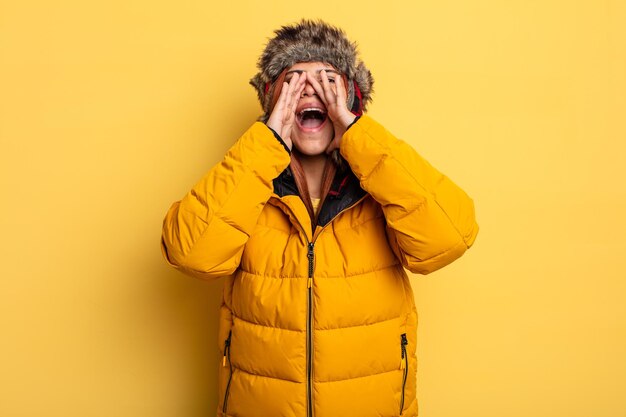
x=344 y=191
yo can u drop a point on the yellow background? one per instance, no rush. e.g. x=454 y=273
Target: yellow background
x=112 y=110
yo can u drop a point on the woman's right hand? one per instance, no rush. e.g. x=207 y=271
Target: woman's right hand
x=284 y=113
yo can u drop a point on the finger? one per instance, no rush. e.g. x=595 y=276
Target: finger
x=292 y=104
x=294 y=98
x=280 y=103
x=292 y=83
x=275 y=120
x=341 y=90
x=319 y=90
x=303 y=77
x=328 y=91
x=290 y=93
x=298 y=91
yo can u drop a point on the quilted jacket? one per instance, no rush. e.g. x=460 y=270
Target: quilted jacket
x=319 y=320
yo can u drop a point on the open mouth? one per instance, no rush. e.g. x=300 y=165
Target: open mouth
x=311 y=118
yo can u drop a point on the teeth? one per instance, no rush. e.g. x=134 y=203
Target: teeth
x=311 y=109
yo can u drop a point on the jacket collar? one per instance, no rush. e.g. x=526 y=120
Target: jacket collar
x=344 y=191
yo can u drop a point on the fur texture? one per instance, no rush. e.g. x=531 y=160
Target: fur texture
x=309 y=41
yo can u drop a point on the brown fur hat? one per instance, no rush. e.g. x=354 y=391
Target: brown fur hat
x=309 y=41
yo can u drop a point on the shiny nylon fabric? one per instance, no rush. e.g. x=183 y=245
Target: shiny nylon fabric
x=233 y=224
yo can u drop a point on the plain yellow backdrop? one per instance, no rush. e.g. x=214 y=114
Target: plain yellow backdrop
x=112 y=110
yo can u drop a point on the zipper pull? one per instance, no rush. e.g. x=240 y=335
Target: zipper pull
x=311 y=255
x=403 y=343
x=226 y=346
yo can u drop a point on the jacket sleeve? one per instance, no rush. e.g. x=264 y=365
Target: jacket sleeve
x=430 y=220
x=204 y=234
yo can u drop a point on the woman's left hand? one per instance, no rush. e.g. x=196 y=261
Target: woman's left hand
x=334 y=97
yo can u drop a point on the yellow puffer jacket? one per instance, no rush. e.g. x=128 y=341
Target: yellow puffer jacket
x=319 y=321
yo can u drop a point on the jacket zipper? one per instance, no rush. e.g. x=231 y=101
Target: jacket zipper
x=311 y=257
x=309 y=323
x=230 y=375
x=309 y=368
x=403 y=365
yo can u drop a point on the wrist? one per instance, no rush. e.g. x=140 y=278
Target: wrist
x=347 y=120
x=285 y=142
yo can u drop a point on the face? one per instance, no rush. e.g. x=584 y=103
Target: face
x=314 y=130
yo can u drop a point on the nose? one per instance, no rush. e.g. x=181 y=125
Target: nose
x=308 y=90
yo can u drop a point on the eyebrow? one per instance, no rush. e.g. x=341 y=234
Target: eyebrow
x=318 y=71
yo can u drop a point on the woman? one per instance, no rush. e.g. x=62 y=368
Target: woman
x=313 y=215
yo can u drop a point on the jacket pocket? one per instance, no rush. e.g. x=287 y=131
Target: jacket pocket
x=404 y=365
x=230 y=371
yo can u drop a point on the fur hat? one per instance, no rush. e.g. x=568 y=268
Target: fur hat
x=310 y=41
